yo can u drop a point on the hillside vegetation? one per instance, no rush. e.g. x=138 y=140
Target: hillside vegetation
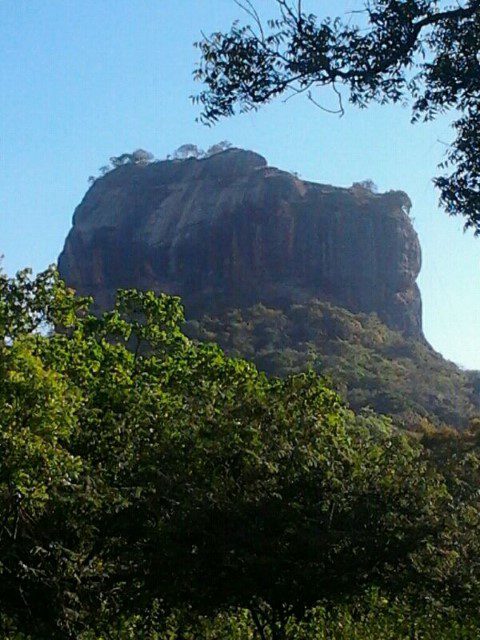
x=370 y=364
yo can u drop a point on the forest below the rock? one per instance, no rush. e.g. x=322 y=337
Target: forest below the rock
x=154 y=488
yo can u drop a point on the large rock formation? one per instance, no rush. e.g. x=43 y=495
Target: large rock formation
x=229 y=231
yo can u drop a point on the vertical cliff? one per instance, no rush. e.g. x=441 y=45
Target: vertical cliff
x=230 y=231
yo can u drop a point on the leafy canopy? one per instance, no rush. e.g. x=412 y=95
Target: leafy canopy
x=139 y=467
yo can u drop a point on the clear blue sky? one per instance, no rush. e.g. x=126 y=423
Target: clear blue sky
x=82 y=80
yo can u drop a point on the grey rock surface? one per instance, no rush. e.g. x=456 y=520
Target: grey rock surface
x=230 y=231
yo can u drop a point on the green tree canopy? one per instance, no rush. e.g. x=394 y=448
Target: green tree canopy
x=137 y=466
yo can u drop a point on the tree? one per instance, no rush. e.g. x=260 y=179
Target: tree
x=422 y=51
x=41 y=478
x=218 y=148
x=367 y=185
x=140 y=156
x=188 y=151
x=118 y=161
x=284 y=502
x=68 y=445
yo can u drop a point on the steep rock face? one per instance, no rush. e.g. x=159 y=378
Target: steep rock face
x=229 y=231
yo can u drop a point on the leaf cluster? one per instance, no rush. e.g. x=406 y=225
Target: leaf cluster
x=422 y=52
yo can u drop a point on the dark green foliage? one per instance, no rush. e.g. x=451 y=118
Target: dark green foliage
x=154 y=488
x=285 y=500
x=422 y=51
x=370 y=364
x=373 y=617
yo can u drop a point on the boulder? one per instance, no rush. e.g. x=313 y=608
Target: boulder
x=229 y=231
